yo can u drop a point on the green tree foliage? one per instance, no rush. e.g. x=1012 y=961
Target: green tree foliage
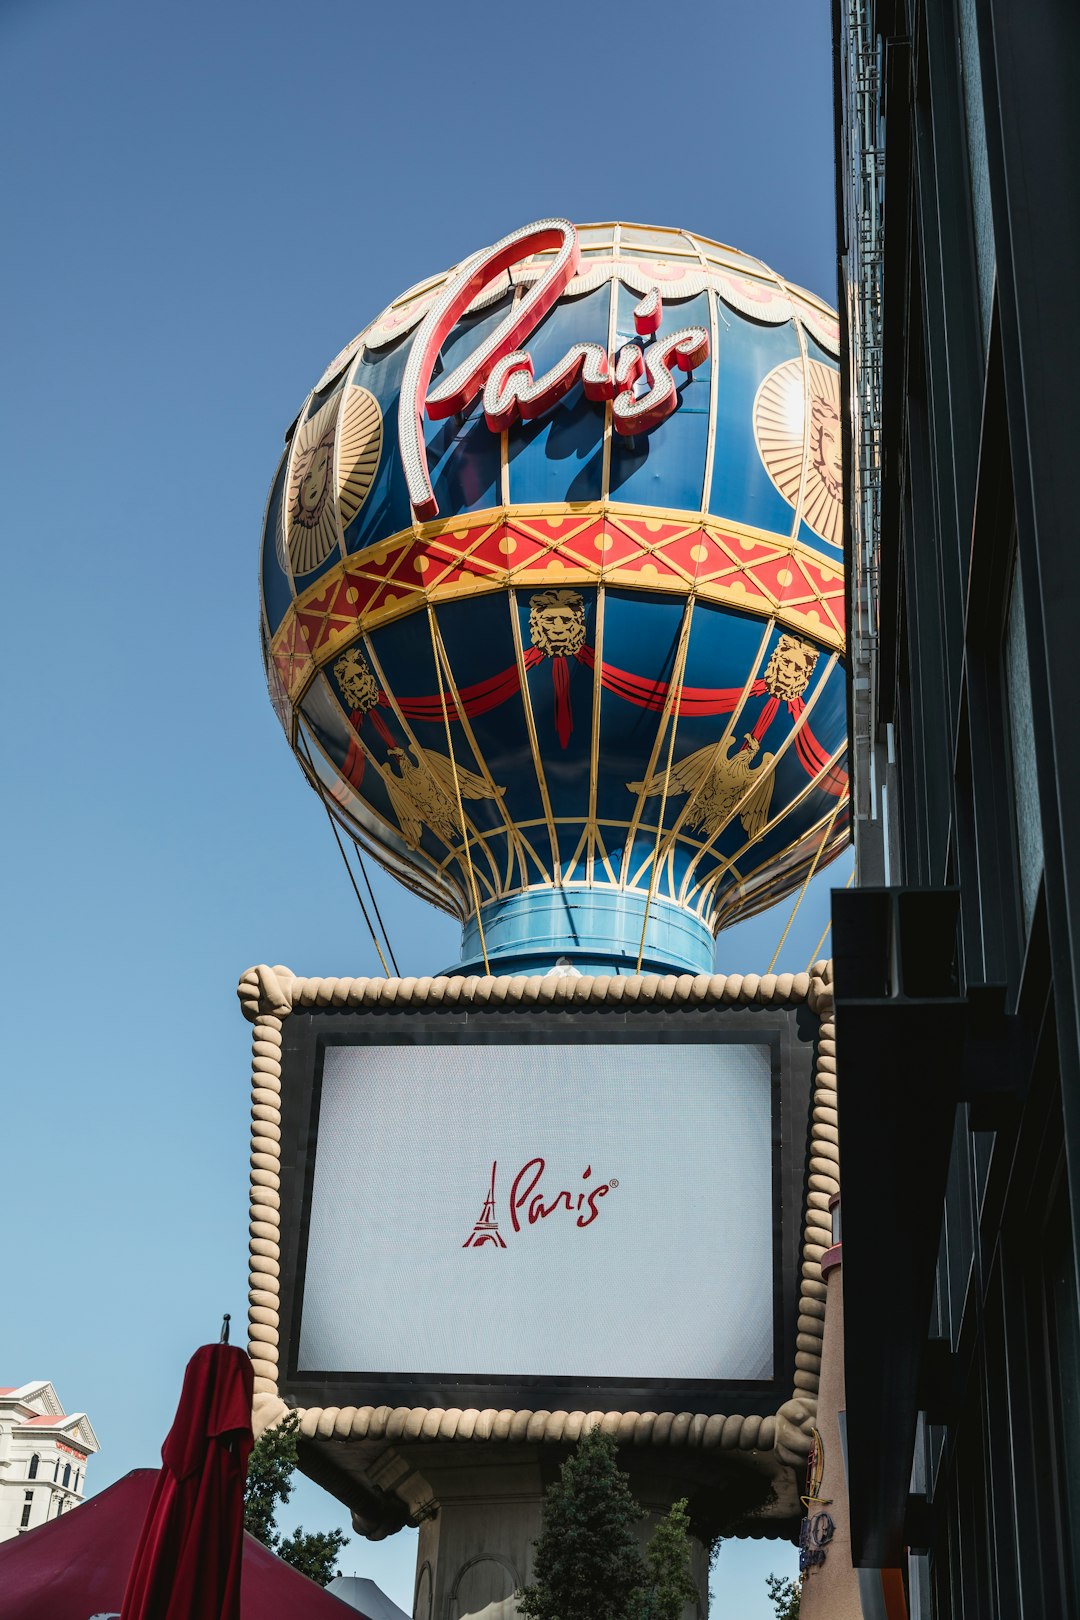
x=269 y=1480
x=269 y=1485
x=314 y=1555
x=587 y=1564
x=668 y=1582
x=786 y=1597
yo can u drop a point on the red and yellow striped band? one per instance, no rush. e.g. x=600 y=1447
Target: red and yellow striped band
x=678 y=553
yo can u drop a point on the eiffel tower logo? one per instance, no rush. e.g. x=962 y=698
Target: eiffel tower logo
x=486 y=1229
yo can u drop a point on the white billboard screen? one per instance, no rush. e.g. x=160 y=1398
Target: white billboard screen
x=588 y=1211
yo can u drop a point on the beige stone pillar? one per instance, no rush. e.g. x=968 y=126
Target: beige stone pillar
x=480 y=1516
x=831 y=1590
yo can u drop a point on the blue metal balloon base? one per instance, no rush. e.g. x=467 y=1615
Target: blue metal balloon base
x=596 y=930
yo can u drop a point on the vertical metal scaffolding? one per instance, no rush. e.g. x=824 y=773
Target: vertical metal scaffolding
x=863 y=182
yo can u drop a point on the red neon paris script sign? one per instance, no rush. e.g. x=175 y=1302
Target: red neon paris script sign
x=456 y=391
x=504 y=371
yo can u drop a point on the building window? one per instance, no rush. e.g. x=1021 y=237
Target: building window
x=28 y=1502
x=77 y=1477
x=1024 y=765
x=978 y=164
x=32 y=1470
x=67 y=1476
x=1065 y=1366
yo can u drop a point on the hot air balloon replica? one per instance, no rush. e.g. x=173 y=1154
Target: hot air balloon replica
x=553 y=619
x=552 y=595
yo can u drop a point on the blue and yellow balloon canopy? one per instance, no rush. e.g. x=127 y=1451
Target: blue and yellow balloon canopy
x=552 y=594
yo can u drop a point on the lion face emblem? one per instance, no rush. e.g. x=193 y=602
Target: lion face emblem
x=358 y=685
x=557 y=622
x=826 y=446
x=789 y=670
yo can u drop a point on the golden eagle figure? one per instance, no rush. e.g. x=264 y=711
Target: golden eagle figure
x=424 y=794
x=716 y=783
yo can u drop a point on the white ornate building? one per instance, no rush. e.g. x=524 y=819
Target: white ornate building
x=43 y=1457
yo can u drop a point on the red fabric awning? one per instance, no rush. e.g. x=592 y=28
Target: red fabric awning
x=77 y=1566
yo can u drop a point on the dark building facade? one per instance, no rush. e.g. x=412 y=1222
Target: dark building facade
x=957 y=955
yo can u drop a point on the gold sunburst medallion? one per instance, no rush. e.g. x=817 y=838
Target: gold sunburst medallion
x=311 y=528
x=359 y=451
x=319 y=503
x=800 y=454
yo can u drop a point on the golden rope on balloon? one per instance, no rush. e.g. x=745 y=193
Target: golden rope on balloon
x=534 y=741
x=828 y=925
x=806 y=882
x=457 y=787
x=687 y=886
x=675 y=691
x=316 y=779
x=771 y=892
x=722 y=743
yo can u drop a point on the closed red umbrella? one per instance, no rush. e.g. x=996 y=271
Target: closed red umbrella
x=187 y=1562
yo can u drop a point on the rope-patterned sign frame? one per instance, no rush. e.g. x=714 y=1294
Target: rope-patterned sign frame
x=268 y=996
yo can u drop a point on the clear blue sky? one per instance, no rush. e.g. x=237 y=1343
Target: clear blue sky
x=203 y=203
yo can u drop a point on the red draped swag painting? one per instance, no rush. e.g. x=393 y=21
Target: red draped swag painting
x=489 y=694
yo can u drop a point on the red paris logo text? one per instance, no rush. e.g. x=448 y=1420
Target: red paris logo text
x=531 y=1202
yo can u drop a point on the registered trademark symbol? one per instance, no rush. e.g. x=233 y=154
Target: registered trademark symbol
x=613 y=1183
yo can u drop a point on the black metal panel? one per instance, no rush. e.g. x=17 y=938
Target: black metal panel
x=910 y=1048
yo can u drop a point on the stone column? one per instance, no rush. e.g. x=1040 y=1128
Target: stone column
x=480 y=1515
x=831 y=1588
